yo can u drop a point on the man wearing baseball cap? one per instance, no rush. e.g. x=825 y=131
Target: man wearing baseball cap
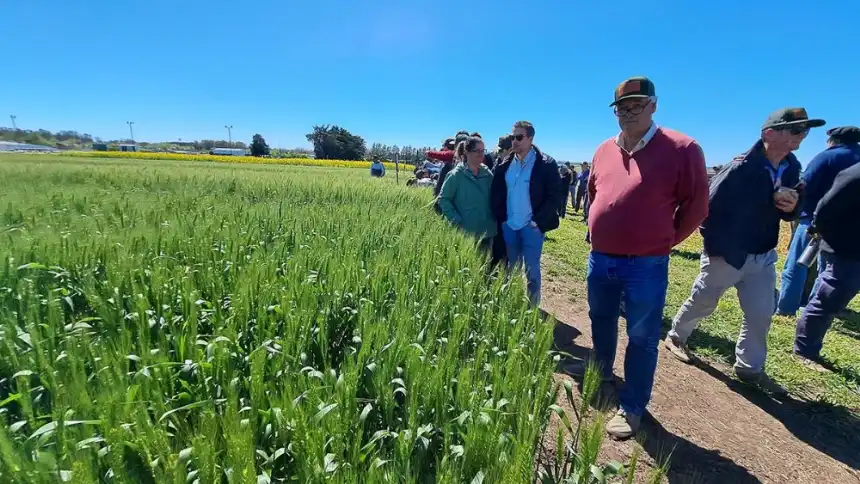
x=843 y=151
x=748 y=199
x=648 y=191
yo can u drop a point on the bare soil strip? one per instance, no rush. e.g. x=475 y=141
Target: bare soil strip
x=716 y=429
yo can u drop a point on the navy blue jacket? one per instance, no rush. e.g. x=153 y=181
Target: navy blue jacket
x=545 y=191
x=821 y=172
x=836 y=215
x=742 y=217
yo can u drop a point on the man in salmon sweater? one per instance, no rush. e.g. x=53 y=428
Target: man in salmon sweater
x=648 y=190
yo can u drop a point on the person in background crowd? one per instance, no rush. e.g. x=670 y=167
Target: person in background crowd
x=377 y=168
x=503 y=149
x=582 y=186
x=525 y=198
x=748 y=199
x=566 y=180
x=421 y=180
x=843 y=152
x=465 y=196
x=586 y=203
x=446 y=154
x=648 y=188
x=499 y=249
x=574 y=180
x=835 y=221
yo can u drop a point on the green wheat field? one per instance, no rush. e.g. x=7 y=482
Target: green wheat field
x=190 y=322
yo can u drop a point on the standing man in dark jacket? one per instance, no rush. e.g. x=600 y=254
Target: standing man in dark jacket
x=526 y=195
x=843 y=152
x=748 y=199
x=835 y=221
x=573 y=182
x=566 y=179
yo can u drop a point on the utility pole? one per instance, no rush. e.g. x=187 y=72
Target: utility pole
x=130 y=129
x=14 y=127
x=229 y=135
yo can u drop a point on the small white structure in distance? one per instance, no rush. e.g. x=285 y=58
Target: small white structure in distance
x=227 y=151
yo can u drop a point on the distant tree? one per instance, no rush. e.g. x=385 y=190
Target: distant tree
x=377 y=150
x=35 y=139
x=336 y=143
x=259 y=146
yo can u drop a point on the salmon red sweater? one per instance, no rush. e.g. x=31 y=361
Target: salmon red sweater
x=645 y=203
x=446 y=156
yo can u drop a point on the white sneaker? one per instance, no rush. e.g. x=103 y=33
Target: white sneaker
x=623 y=425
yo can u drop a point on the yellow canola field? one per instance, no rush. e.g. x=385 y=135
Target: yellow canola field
x=226 y=159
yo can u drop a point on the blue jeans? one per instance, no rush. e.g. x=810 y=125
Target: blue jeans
x=643 y=282
x=793 y=274
x=524 y=247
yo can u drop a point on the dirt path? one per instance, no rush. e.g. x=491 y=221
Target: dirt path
x=716 y=429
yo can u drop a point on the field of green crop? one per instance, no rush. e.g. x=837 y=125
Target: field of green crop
x=183 y=322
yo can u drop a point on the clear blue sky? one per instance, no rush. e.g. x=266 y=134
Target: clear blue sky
x=414 y=72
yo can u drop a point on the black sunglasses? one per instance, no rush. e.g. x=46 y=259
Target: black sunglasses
x=519 y=137
x=795 y=130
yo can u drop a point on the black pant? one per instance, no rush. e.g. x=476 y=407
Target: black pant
x=580 y=194
x=499 y=251
x=562 y=211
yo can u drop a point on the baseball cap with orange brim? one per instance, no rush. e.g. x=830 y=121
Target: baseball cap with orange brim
x=635 y=87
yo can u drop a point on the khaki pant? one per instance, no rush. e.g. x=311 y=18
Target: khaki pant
x=755 y=283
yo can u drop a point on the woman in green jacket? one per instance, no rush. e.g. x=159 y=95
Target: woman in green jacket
x=465 y=195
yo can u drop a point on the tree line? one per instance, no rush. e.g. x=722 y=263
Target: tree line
x=60 y=139
x=69 y=139
x=406 y=154
x=333 y=142
x=330 y=142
